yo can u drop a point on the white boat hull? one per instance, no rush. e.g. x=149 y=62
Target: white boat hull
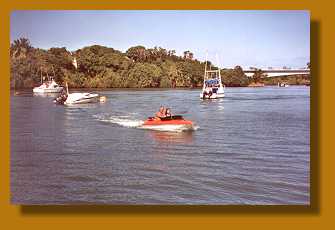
x=53 y=90
x=218 y=94
x=81 y=98
x=168 y=128
x=213 y=96
x=48 y=87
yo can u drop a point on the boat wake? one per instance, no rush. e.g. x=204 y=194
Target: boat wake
x=126 y=121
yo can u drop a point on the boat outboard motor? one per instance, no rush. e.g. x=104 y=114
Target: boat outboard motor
x=61 y=99
x=204 y=93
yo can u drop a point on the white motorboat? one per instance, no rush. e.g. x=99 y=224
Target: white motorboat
x=48 y=87
x=212 y=86
x=76 y=98
x=81 y=98
x=283 y=84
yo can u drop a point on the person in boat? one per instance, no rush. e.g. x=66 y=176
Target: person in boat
x=168 y=112
x=62 y=97
x=161 y=113
x=207 y=92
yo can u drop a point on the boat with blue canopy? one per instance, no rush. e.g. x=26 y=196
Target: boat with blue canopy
x=212 y=86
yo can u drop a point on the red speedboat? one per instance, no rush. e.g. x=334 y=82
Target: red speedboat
x=172 y=123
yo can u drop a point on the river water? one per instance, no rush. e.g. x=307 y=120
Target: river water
x=251 y=147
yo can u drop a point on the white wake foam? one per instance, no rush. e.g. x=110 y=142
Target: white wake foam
x=134 y=123
x=121 y=120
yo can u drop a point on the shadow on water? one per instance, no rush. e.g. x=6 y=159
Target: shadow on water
x=312 y=209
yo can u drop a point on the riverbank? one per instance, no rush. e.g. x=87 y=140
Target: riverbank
x=156 y=88
x=99 y=66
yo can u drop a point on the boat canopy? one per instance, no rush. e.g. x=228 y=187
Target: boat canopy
x=212 y=82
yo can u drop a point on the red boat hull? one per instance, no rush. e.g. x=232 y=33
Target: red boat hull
x=168 y=122
x=172 y=120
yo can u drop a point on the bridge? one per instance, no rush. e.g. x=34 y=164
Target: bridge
x=278 y=72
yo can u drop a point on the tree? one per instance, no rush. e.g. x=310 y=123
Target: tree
x=258 y=76
x=100 y=66
x=137 y=53
x=95 y=59
x=143 y=75
x=20 y=48
x=58 y=61
x=234 y=77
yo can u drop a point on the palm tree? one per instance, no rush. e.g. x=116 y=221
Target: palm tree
x=20 y=48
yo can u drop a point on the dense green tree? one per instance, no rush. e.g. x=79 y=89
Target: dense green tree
x=234 y=77
x=143 y=75
x=137 y=53
x=104 y=67
x=258 y=76
x=20 y=48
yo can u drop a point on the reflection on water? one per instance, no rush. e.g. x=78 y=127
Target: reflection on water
x=251 y=147
x=172 y=137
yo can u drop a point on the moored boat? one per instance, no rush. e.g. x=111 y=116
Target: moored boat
x=81 y=98
x=212 y=86
x=67 y=98
x=281 y=84
x=49 y=86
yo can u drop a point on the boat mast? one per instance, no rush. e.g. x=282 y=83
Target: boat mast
x=48 y=76
x=53 y=72
x=41 y=75
x=218 y=63
x=205 y=68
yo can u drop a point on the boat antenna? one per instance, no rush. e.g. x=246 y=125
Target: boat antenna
x=41 y=74
x=205 y=77
x=48 y=75
x=206 y=62
x=53 y=72
x=218 y=63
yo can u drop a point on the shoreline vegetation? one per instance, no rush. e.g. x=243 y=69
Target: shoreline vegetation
x=139 y=67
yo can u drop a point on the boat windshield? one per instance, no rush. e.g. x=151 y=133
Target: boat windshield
x=212 y=82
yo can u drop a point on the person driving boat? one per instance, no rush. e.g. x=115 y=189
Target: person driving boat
x=161 y=113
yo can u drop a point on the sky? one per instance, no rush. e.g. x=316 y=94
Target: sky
x=246 y=38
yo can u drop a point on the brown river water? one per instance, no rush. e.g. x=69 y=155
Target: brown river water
x=251 y=147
